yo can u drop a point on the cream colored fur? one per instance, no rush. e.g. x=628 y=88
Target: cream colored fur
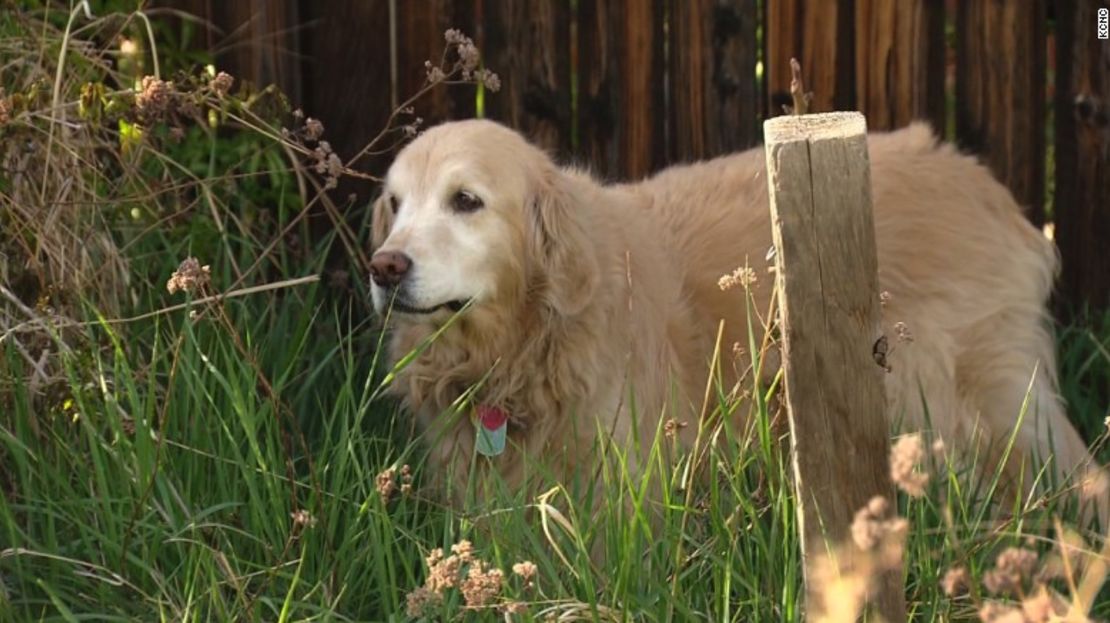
x=596 y=307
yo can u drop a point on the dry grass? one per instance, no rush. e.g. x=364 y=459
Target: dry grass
x=88 y=166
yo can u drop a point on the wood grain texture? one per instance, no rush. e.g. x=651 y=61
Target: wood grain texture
x=1000 y=93
x=620 y=111
x=1082 y=200
x=821 y=36
x=826 y=262
x=900 y=62
x=527 y=42
x=714 y=95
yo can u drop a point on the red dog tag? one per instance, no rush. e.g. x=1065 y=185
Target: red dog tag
x=491 y=428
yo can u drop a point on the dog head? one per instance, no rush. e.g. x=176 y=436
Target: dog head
x=472 y=214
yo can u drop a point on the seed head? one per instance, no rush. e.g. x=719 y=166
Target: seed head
x=744 y=277
x=155 y=98
x=303 y=518
x=955 y=581
x=482 y=584
x=906 y=453
x=527 y=572
x=386 y=483
x=433 y=72
x=672 y=426
x=221 y=84
x=1012 y=567
x=489 y=80
x=313 y=129
x=189 y=277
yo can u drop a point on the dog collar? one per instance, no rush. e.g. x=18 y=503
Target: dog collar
x=490 y=424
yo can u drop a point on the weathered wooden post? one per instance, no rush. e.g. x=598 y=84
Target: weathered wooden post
x=820 y=191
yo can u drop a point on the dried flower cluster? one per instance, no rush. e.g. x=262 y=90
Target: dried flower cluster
x=155 y=99
x=482 y=584
x=434 y=73
x=479 y=582
x=955 y=581
x=302 y=518
x=527 y=572
x=672 y=426
x=190 y=277
x=1020 y=585
x=489 y=80
x=386 y=482
x=905 y=455
x=221 y=84
x=1014 y=570
x=467 y=64
x=322 y=158
x=873 y=527
x=744 y=277
x=842 y=582
x=1013 y=567
x=313 y=129
x=469 y=57
x=327 y=164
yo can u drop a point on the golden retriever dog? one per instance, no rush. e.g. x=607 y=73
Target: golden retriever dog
x=574 y=309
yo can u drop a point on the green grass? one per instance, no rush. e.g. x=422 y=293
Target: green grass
x=158 y=484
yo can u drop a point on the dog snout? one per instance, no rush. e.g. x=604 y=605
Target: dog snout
x=388 y=268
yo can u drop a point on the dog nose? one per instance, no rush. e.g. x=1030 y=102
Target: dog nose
x=388 y=268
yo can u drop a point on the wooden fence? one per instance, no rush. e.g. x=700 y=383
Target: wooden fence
x=629 y=86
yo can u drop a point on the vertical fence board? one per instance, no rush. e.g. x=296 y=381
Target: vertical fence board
x=621 y=85
x=1000 y=93
x=900 y=62
x=1082 y=201
x=420 y=30
x=821 y=36
x=261 y=42
x=714 y=94
x=782 y=39
x=346 y=76
x=528 y=45
x=640 y=50
x=596 y=105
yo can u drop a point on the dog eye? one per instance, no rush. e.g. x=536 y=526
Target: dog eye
x=464 y=201
x=393 y=204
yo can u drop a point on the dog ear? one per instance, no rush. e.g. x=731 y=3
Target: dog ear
x=560 y=245
x=381 y=220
